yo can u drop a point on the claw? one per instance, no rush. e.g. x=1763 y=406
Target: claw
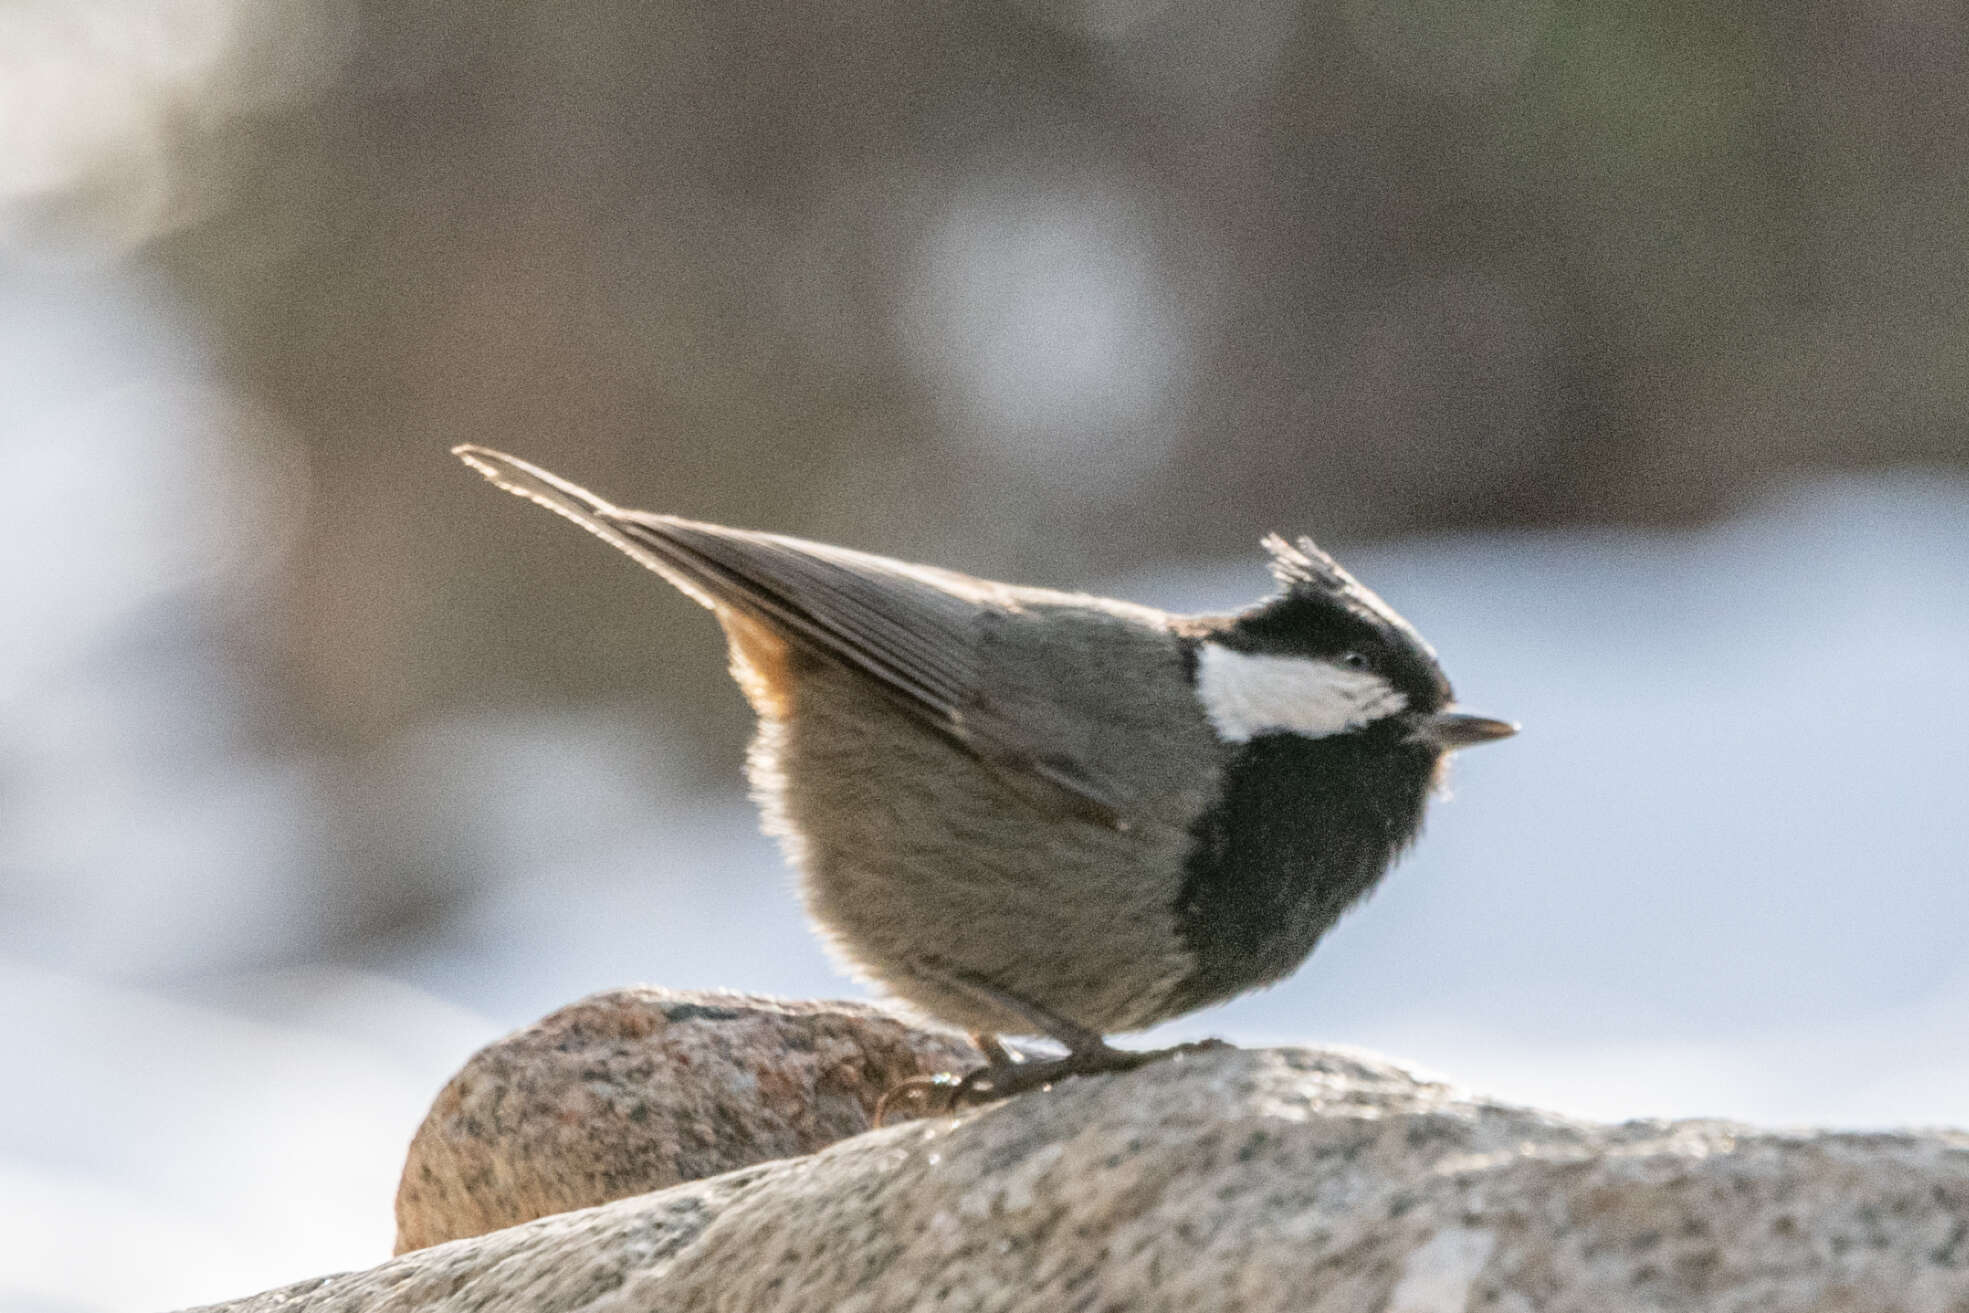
x=945 y=1093
x=936 y=1093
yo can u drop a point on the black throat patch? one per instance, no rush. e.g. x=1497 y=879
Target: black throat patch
x=1303 y=829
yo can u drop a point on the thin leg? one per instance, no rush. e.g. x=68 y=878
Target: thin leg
x=1044 y=1020
x=995 y=1051
x=1003 y=1075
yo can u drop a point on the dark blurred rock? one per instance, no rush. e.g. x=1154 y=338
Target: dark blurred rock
x=1610 y=278
x=1274 y=1180
x=636 y=1089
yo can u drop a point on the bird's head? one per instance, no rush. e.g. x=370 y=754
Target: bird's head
x=1326 y=656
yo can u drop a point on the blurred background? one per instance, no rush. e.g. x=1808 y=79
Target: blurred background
x=1621 y=345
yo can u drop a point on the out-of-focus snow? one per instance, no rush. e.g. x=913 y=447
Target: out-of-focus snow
x=155 y=1153
x=1720 y=873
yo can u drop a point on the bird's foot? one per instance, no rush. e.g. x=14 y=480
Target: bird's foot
x=1003 y=1080
x=945 y=1092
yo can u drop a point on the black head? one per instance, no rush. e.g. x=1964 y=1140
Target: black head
x=1334 y=716
x=1325 y=613
x=1324 y=656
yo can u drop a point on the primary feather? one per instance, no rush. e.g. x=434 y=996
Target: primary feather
x=917 y=631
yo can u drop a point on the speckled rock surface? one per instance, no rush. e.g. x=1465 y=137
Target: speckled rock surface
x=636 y=1089
x=1266 y=1180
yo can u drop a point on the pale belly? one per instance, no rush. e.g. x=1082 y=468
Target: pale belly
x=920 y=864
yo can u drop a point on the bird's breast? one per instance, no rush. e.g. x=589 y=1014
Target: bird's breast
x=1302 y=829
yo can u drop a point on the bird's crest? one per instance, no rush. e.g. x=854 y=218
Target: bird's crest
x=1304 y=565
x=1303 y=569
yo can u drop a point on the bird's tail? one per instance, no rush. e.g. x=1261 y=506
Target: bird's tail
x=606 y=521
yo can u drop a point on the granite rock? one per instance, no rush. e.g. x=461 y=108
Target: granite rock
x=632 y=1090
x=1286 y=1179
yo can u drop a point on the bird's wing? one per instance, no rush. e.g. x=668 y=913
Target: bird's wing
x=913 y=630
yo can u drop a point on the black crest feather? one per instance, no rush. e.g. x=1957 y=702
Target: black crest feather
x=1309 y=574
x=1303 y=564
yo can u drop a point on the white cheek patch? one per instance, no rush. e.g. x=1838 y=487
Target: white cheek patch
x=1246 y=694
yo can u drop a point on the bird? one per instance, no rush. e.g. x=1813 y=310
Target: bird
x=1027 y=812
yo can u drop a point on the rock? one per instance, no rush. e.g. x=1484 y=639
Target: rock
x=1265 y=1180
x=636 y=1089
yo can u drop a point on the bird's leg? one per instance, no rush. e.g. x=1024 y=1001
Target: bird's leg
x=1004 y=1075
x=1087 y=1053
x=995 y=1051
x=1044 y=1021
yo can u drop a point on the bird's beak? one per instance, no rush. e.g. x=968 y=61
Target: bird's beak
x=1454 y=729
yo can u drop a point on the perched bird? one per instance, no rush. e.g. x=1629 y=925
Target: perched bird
x=1031 y=812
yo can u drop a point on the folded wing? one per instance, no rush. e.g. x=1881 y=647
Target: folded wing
x=915 y=631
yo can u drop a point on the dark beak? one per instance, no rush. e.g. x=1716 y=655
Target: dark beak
x=1453 y=729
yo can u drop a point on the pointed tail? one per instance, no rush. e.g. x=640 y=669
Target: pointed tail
x=574 y=502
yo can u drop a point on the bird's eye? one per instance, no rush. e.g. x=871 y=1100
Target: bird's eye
x=1353 y=660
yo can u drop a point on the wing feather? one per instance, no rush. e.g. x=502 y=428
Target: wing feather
x=867 y=611
x=915 y=630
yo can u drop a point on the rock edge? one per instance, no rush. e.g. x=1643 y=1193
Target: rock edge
x=1256 y=1180
x=633 y=1090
